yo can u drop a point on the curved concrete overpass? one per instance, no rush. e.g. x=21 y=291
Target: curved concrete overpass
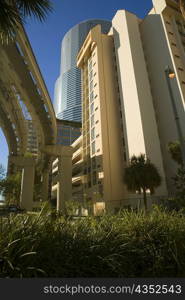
x=22 y=84
x=24 y=98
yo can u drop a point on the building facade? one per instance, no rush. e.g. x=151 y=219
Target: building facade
x=67 y=132
x=67 y=100
x=166 y=48
x=127 y=104
x=32 y=143
x=101 y=129
x=127 y=67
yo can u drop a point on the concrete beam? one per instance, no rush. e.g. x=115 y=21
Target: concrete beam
x=58 y=150
x=27 y=187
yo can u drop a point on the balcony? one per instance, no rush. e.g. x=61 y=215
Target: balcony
x=77 y=155
x=77 y=180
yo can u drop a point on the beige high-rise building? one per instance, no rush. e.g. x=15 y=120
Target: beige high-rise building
x=127 y=105
x=163 y=38
x=139 y=120
x=103 y=149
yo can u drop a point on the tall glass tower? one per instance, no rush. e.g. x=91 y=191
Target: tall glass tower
x=67 y=99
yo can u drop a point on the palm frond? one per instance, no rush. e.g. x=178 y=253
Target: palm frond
x=9 y=18
x=14 y=12
x=37 y=8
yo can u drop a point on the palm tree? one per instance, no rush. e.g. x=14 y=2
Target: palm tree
x=179 y=178
x=14 y=12
x=175 y=152
x=141 y=175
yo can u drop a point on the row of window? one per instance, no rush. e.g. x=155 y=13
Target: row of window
x=181 y=31
x=92 y=106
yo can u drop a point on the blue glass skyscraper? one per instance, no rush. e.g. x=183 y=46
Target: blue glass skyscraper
x=67 y=100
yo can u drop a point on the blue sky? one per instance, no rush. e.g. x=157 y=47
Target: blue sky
x=46 y=37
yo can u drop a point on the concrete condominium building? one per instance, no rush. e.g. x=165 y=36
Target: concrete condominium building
x=67 y=132
x=127 y=108
x=32 y=143
x=101 y=130
x=166 y=26
x=127 y=105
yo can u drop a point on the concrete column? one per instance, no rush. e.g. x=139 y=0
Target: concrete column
x=27 y=185
x=45 y=185
x=64 y=181
x=64 y=189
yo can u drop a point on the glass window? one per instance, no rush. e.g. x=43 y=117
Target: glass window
x=94 y=177
x=94 y=162
x=91 y=86
x=93 y=147
x=101 y=175
x=90 y=64
x=92 y=134
x=89 y=184
x=66 y=132
x=92 y=108
x=90 y=74
x=91 y=96
x=92 y=120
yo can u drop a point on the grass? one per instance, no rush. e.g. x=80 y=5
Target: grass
x=126 y=245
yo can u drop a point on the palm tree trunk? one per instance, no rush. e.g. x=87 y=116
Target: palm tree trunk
x=145 y=199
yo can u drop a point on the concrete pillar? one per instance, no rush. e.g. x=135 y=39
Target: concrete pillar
x=27 y=164
x=64 y=189
x=64 y=181
x=27 y=185
x=45 y=185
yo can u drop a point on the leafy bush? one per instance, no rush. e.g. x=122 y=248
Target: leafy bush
x=126 y=245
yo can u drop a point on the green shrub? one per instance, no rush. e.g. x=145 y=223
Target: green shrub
x=126 y=245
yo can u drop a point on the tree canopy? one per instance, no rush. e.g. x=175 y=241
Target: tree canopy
x=175 y=152
x=179 y=178
x=14 y=12
x=141 y=175
x=10 y=188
